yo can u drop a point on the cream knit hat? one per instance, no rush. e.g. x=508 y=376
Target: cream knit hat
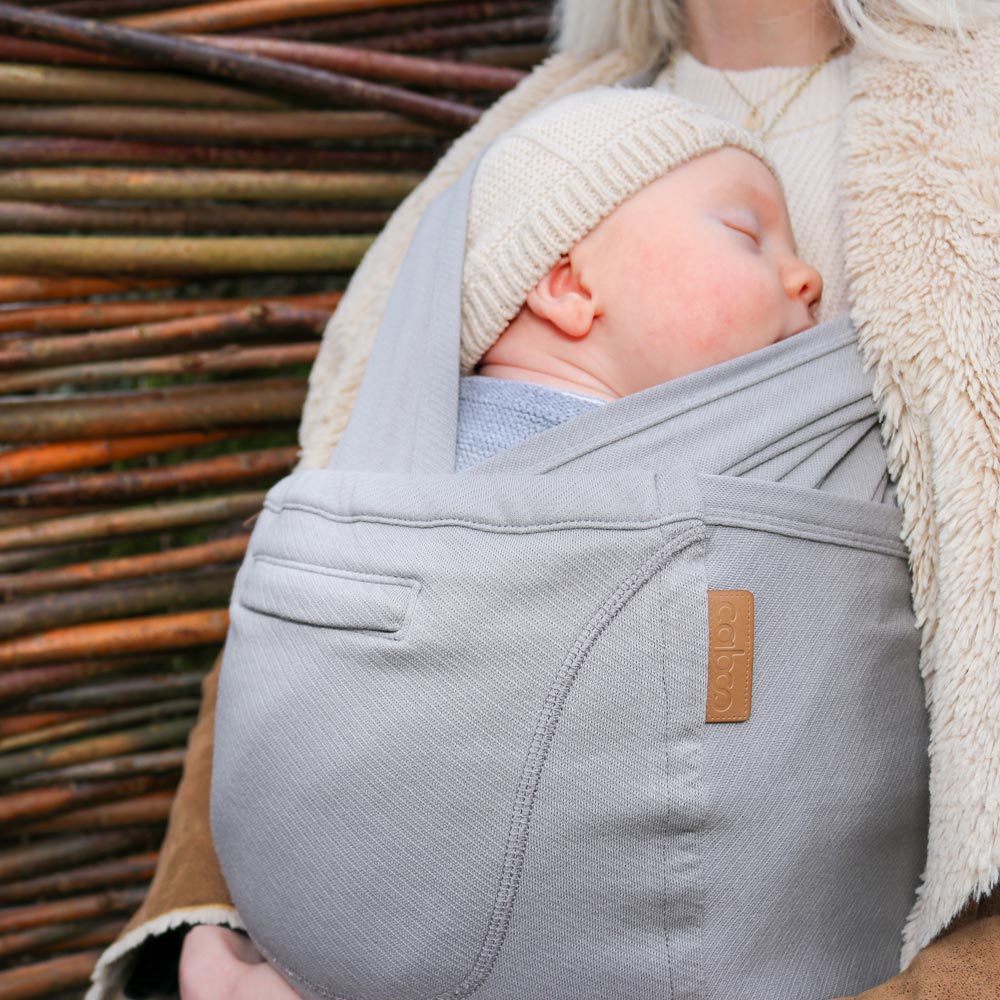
x=543 y=185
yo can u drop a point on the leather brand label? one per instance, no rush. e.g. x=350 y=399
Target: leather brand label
x=730 y=655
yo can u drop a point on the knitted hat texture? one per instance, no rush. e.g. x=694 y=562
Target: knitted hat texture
x=546 y=183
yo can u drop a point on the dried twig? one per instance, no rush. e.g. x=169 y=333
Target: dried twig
x=144 y=810
x=254 y=71
x=65 y=852
x=260 y=319
x=116 y=121
x=130 y=635
x=23 y=464
x=129 y=691
x=125 y=567
x=40 y=978
x=132 y=868
x=100 y=315
x=173 y=408
x=245 y=13
x=47 y=83
x=208 y=588
x=227 y=359
x=183 y=255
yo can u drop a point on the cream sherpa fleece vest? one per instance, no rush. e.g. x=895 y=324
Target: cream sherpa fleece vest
x=922 y=209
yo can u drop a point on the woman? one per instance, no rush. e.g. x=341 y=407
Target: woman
x=905 y=125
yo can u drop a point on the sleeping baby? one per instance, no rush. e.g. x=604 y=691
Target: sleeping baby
x=641 y=281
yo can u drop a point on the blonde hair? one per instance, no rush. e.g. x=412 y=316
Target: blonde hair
x=644 y=30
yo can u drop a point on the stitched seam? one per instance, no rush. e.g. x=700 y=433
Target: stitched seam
x=792 y=528
x=460 y=522
x=531 y=774
x=667 y=939
x=810 y=532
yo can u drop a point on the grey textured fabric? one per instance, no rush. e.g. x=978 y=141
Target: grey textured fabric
x=497 y=413
x=460 y=740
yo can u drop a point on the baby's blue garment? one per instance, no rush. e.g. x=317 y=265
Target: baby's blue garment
x=497 y=413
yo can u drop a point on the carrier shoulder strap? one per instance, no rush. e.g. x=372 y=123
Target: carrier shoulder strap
x=405 y=417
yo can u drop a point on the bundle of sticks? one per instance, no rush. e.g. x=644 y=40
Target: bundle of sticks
x=184 y=192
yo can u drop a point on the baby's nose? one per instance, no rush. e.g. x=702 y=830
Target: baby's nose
x=803 y=281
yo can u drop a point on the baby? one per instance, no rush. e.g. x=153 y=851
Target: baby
x=683 y=262
x=616 y=240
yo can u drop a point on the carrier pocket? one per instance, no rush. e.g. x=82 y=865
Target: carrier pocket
x=328 y=598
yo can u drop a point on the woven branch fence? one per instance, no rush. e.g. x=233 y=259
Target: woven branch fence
x=184 y=192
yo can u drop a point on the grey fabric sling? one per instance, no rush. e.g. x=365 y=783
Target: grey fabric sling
x=461 y=746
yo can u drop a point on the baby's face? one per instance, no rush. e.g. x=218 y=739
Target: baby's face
x=700 y=267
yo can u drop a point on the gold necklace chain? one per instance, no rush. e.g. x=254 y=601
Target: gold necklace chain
x=754 y=120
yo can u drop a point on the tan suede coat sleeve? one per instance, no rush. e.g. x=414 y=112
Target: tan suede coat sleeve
x=188 y=872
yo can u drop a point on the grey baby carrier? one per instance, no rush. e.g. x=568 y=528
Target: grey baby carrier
x=461 y=743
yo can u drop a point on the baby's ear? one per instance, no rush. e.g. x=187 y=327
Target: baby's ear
x=562 y=298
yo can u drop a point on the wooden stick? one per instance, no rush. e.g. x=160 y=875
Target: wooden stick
x=116 y=121
x=100 y=315
x=21 y=151
x=81 y=908
x=525 y=56
x=254 y=71
x=130 y=691
x=390 y=21
x=18 y=50
x=130 y=635
x=437 y=73
x=23 y=464
x=21 y=943
x=207 y=588
x=30 y=722
x=90 y=934
x=120 y=871
x=109 y=8
x=125 y=567
x=192 y=184
x=91 y=724
x=37 y=802
x=18 y=684
x=132 y=520
x=154 y=762
x=47 y=758
x=13 y=561
x=65 y=852
x=39 y=217
x=19 y=82
x=173 y=408
x=145 y=810
x=184 y=255
x=183 y=477
x=228 y=359
x=19 y=288
x=247 y=13
x=14 y=518
x=41 y=978
x=260 y=319
x=516 y=29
